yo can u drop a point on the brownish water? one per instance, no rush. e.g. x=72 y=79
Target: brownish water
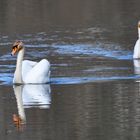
x=94 y=89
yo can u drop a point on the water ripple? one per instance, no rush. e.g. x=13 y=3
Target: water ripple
x=71 y=60
x=93 y=50
x=80 y=80
x=7 y=78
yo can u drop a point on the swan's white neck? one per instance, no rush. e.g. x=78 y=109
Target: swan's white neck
x=18 y=71
x=139 y=32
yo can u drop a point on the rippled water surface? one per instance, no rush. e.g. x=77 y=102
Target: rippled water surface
x=94 y=88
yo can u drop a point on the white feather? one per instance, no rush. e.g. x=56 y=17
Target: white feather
x=136 y=54
x=137 y=50
x=30 y=71
x=33 y=72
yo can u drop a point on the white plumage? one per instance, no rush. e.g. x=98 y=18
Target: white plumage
x=136 y=54
x=29 y=71
x=33 y=72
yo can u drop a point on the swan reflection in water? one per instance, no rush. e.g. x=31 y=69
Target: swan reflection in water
x=136 y=66
x=28 y=96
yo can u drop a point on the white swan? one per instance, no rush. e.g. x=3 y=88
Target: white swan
x=29 y=71
x=136 y=54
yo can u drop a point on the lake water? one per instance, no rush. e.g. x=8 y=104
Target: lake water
x=94 y=91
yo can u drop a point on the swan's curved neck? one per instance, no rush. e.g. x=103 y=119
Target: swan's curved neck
x=139 y=32
x=18 y=71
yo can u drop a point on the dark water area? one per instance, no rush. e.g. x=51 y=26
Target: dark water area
x=106 y=110
x=94 y=90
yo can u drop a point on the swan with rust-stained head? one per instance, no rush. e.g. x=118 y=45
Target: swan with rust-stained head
x=29 y=72
x=136 y=54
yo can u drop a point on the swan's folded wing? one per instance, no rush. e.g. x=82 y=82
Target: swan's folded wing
x=40 y=73
x=26 y=67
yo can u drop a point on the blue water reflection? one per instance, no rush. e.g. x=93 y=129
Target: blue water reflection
x=67 y=57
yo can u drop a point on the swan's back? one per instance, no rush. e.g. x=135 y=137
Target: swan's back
x=27 y=65
x=37 y=72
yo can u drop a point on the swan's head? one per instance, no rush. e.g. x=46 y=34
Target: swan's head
x=17 y=46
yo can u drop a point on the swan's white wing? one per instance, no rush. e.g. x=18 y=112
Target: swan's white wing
x=40 y=73
x=26 y=67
